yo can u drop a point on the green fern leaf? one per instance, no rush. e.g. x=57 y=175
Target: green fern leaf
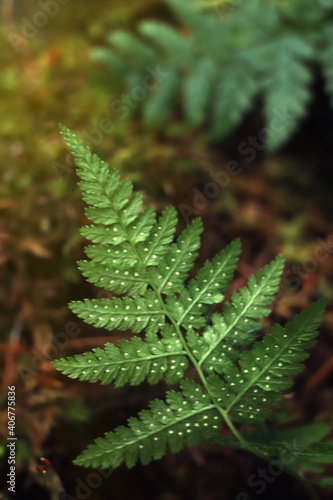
x=211 y=280
x=138 y=257
x=124 y=314
x=132 y=362
x=167 y=38
x=174 y=268
x=157 y=105
x=303 y=436
x=161 y=235
x=241 y=314
x=185 y=419
x=120 y=255
x=219 y=68
x=233 y=96
x=112 y=200
x=296 y=441
x=118 y=279
x=190 y=14
x=197 y=89
x=287 y=87
x=266 y=369
x=140 y=53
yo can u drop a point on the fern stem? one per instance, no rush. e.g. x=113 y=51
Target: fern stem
x=233 y=429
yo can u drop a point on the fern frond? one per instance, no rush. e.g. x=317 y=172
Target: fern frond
x=304 y=457
x=241 y=314
x=190 y=14
x=167 y=38
x=214 y=276
x=303 y=436
x=138 y=257
x=233 y=96
x=132 y=362
x=265 y=370
x=120 y=255
x=161 y=235
x=280 y=354
x=218 y=69
x=197 y=90
x=112 y=202
x=139 y=53
x=206 y=288
x=120 y=279
x=125 y=313
x=158 y=103
x=174 y=268
x=287 y=92
x=186 y=418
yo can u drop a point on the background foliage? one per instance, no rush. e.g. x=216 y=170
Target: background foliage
x=216 y=69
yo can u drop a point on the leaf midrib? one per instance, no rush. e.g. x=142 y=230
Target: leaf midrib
x=98 y=363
